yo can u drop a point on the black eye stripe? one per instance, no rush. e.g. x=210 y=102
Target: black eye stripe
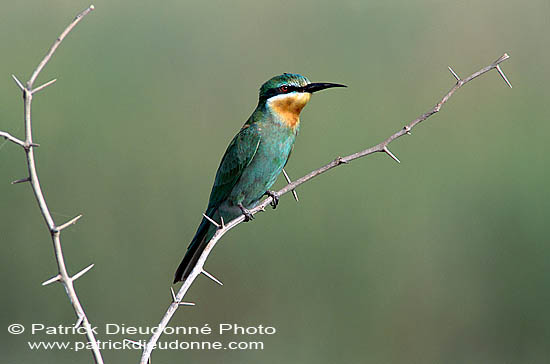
x=294 y=88
x=277 y=90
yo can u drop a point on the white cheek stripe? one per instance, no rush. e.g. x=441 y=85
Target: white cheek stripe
x=292 y=95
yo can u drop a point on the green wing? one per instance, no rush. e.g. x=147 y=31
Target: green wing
x=237 y=157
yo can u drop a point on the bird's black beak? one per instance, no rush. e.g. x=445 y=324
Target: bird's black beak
x=314 y=87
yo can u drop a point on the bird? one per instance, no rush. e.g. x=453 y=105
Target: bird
x=254 y=158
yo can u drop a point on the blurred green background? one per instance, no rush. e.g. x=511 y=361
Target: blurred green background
x=444 y=258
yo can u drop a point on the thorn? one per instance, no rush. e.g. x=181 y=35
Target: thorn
x=407 y=129
x=289 y=181
x=140 y=345
x=503 y=75
x=387 y=151
x=341 y=160
x=52 y=280
x=34 y=144
x=67 y=224
x=19 y=84
x=79 y=321
x=212 y=277
x=223 y=224
x=453 y=73
x=26 y=179
x=39 y=88
x=180 y=303
x=82 y=272
x=211 y=220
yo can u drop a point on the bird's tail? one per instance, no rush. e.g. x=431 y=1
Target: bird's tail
x=205 y=231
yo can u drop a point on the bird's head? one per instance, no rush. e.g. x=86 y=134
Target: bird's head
x=287 y=94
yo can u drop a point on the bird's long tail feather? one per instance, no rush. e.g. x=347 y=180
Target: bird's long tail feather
x=195 y=249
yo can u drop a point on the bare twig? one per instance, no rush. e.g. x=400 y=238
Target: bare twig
x=380 y=147
x=13 y=139
x=56 y=44
x=63 y=276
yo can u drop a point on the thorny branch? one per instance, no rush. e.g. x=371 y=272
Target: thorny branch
x=55 y=230
x=223 y=228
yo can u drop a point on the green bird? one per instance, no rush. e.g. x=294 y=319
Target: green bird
x=254 y=158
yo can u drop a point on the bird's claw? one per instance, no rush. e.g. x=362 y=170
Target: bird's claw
x=247 y=214
x=274 y=198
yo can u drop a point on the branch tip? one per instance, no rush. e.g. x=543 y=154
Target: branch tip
x=212 y=277
x=82 y=272
x=57 y=278
x=387 y=151
x=503 y=58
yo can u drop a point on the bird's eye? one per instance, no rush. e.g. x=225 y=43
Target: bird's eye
x=284 y=88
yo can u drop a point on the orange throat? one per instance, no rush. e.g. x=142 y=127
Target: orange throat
x=288 y=107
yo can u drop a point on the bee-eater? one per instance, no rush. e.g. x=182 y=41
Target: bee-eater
x=254 y=158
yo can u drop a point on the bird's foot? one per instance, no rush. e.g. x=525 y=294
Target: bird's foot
x=275 y=198
x=247 y=215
